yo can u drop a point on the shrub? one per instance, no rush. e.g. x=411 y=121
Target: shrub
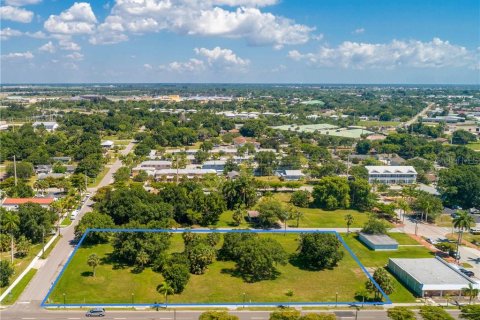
x=434 y=313
x=401 y=313
x=217 y=315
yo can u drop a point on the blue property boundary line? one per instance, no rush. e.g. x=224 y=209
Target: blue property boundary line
x=339 y=237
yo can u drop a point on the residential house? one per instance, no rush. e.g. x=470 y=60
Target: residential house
x=13 y=203
x=49 y=125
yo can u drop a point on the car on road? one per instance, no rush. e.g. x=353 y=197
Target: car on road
x=431 y=241
x=467 y=272
x=454 y=254
x=74 y=214
x=95 y=312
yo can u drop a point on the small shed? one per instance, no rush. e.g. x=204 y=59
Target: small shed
x=378 y=241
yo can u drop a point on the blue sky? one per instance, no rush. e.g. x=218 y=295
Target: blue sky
x=311 y=41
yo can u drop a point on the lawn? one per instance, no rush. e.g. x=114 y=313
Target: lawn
x=376 y=259
x=66 y=222
x=20 y=263
x=219 y=284
x=312 y=217
x=375 y=123
x=444 y=220
x=98 y=178
x=18 y=289
x=474 y=146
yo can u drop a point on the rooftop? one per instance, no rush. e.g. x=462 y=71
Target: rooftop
x=18 y=201
x=379 y=239
x=390 y=169
x=422 y=271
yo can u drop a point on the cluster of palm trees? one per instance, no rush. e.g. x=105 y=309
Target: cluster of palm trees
x=463 y=221
x=10 y=223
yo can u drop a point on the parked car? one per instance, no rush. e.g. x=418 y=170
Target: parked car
x=454 y=254
x=431 y=241
x=467 y=272
x=95 y=312
x=475 y=230
x=74 y=214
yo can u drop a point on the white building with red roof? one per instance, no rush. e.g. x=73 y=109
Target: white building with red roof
x=13 y=203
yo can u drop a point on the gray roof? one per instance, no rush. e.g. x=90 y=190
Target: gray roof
x=379 y=239
x=431 y=271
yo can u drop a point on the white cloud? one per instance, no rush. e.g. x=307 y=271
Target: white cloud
x=17 y=55
x=78 y=19
x=358 y=31
x=36 y=35
x=192 y=65
x=8 y=33
x=223 y=58
x=77 y=56
x=216 y=59
x=67 y=44
x=16 y=14
x=48 y=47
x=413 y=53
x=19 y=3
x=222 y=18
x=148 y=66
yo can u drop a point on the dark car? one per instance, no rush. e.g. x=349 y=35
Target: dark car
x=95 y=312
x=454 y=254
x=467 y=272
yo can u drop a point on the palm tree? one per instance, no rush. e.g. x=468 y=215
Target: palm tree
x=93 y=261
x=404 y=206
x=142 y=258
x=471 y=292
x=10 y=223
x=463 y=221
x=165 y=289
x=349 y=220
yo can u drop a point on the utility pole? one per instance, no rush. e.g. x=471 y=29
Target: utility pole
x=15 y=169
x=86 y=183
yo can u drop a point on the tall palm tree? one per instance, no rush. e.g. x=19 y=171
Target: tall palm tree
x=463 y=221
x=471 y=292
x=165 y=289
x=403 y=205
x=142 y=258
x=10 y=223
x=349 y=220
x=93 y=261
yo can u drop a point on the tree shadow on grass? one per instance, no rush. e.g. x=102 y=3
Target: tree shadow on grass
x=116 y=264
x=234 y=272
x=87 y=274
x=297 y=262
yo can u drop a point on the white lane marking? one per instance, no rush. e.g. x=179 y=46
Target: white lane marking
x=73 y=318
x=165 y=318
x=258 y=318
x=28 y=318
x=119 y=318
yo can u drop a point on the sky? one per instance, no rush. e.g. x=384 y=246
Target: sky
x=241 y=41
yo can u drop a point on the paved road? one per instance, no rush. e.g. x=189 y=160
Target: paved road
x=420 y=114
x=467 y=255
x=46 y=274
x=183 y=315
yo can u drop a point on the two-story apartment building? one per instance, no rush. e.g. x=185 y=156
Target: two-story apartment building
x=392 y=174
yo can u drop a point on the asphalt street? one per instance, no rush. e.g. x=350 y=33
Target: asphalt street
x=183 y=315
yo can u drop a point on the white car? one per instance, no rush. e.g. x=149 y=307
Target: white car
x=73 y=215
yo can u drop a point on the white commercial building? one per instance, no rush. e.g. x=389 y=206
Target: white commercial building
x=392 y=174
x=430 y=276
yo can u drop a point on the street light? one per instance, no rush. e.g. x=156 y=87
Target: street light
x=43 y=242
x=336 y=299
x=244 y=300
x=133 y=298
x=64 y=303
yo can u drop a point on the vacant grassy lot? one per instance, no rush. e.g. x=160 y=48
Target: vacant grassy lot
x=312 y=217
x=375 y=123
x=377 y=259
x=114 y=284
x=474 y=146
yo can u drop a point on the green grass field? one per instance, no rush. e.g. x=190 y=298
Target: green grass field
x=375 y=123
x=19 y=264
x=96 y=181
x=18 y=289
x=121 y=285
x=474 y=146
x=312 y=217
